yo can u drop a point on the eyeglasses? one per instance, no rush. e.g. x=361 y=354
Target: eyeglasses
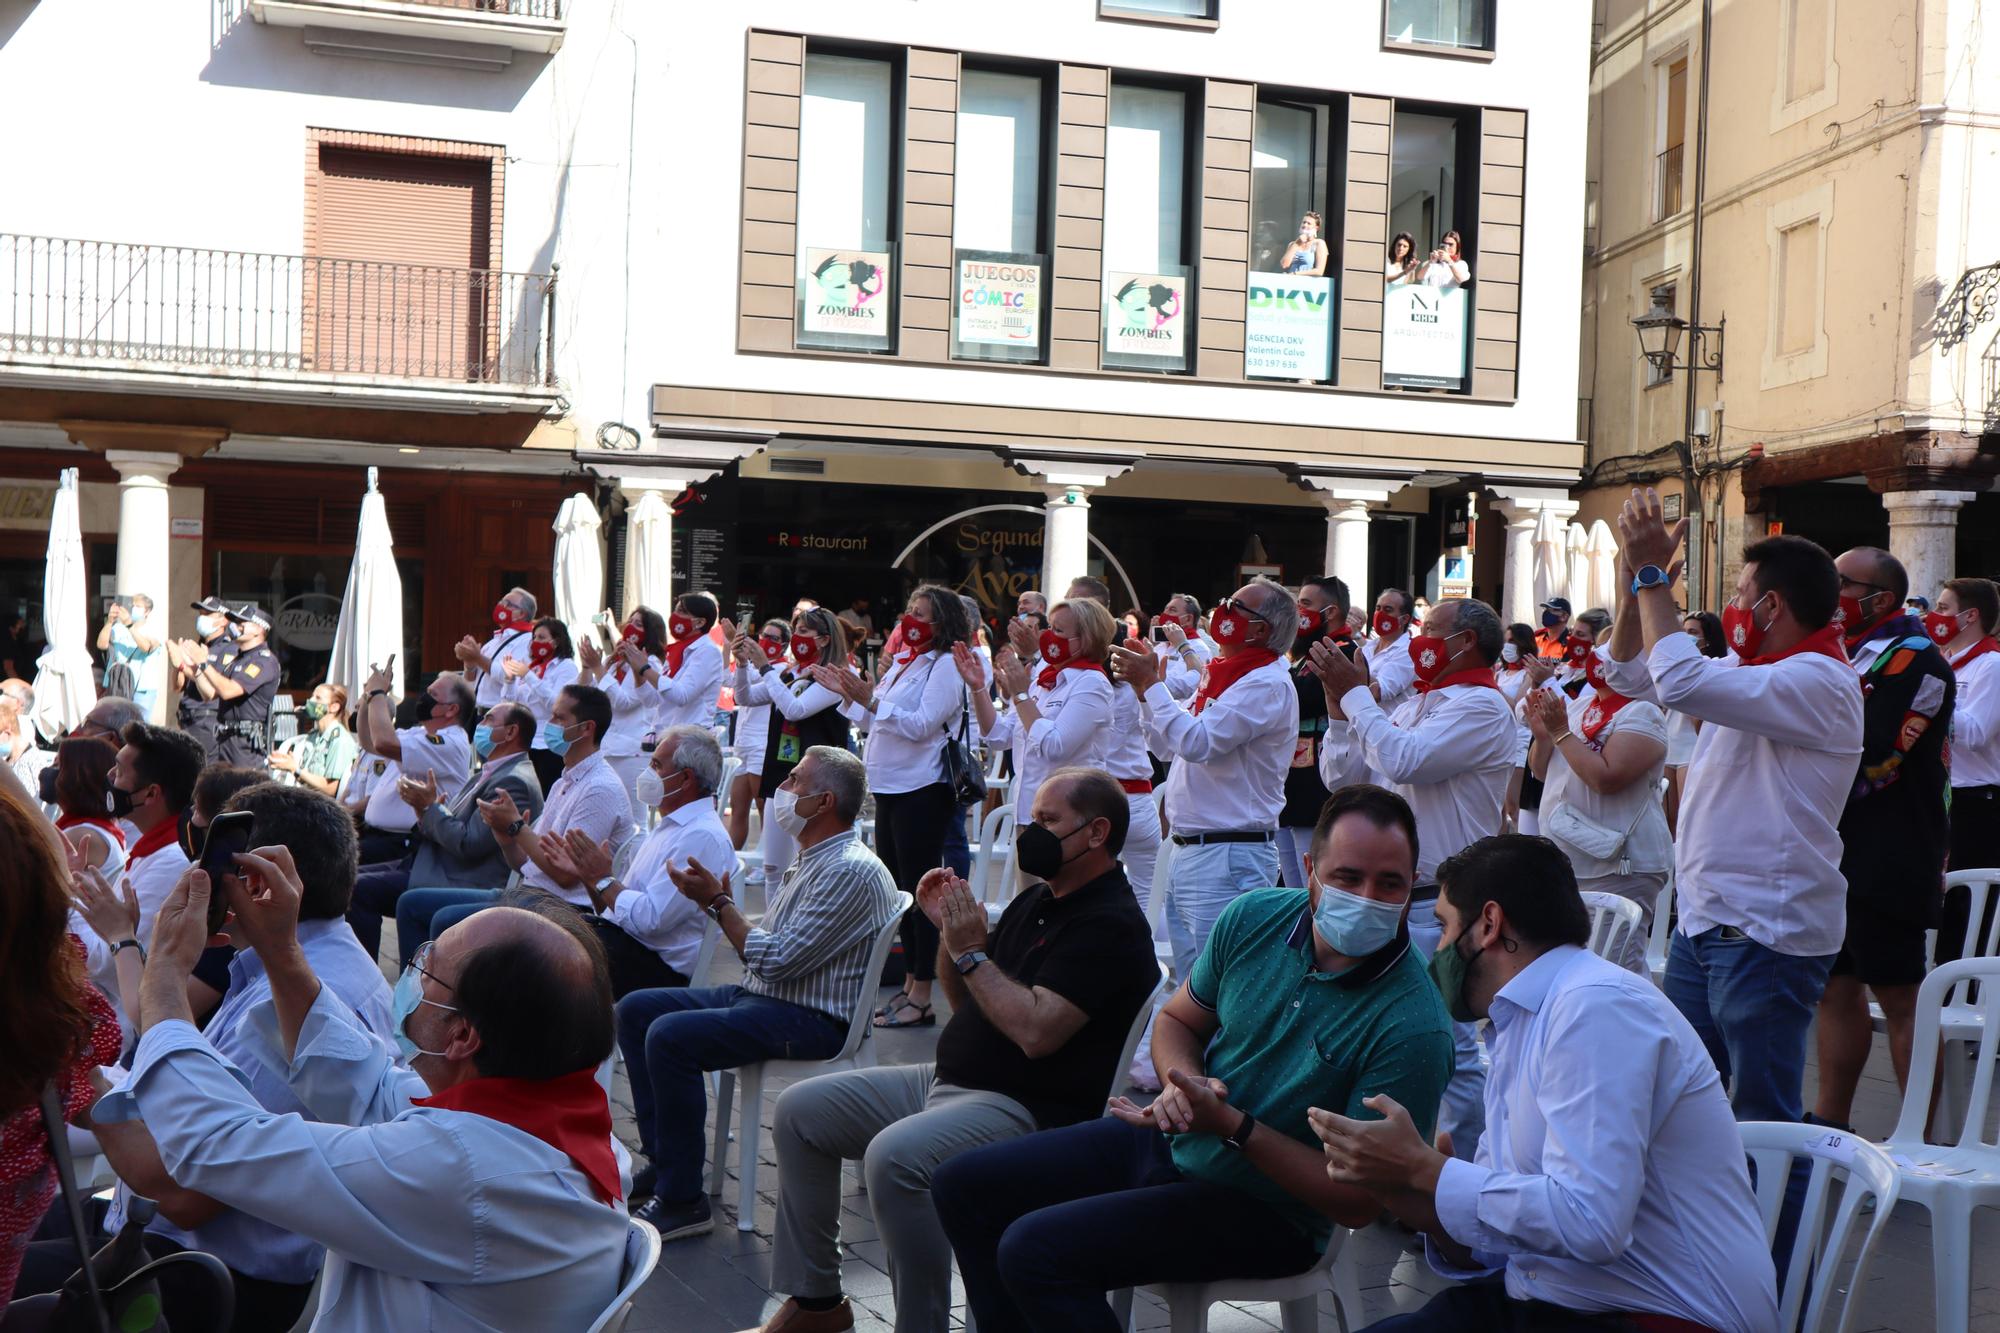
x=421 y=958
x=1238 y=604
x=1846 y=582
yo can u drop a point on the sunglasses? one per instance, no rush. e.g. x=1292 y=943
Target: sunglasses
x=1237 y=604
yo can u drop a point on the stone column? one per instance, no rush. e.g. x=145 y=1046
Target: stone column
x=1347 y=501
x=143 y=526
x=1923 y=534
x=1523 y=511
x=1066 y=517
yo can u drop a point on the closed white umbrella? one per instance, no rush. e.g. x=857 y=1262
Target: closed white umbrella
x=1601 y=549
x=371 y=610
x=1551 y=558
x=65 y=688
x=1577 y=544
x=579 y=572
x=649 y=554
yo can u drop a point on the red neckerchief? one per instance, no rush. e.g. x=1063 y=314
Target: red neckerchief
x=1825 y=641
x=1469 y=676
x=1989 y=644
x=570 y=1114
x=71 y=821
x=166 y=833
x=1597 y=714
x=1226 y=671
x=1050 y=675
x=676 y=651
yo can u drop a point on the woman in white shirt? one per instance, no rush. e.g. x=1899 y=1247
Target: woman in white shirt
x=689 y=690
x=1184 y=651
x=799 y=714
x=624 y=674
x=1446 y=267
x=1601 y=760
x=1402 y=264
x=550 y=668
x=1512 y=677
x=752 y=729
x=909 y=717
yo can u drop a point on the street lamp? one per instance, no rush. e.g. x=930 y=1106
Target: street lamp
x=1660 y=331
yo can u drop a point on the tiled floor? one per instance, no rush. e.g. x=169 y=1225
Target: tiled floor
x=718 y=1283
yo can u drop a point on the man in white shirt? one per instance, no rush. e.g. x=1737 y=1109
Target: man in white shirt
x=1448 y=750
x=151 y=786
x=1758 y=885
x=1606 y=1186
x=1390 y=670
x=439 y=747
x=1963 y=623
x=1231 y=748
x=476 y=1189
x=513 y=628
x=652 y=932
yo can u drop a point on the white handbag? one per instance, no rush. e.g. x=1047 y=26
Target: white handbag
x=1599 y=841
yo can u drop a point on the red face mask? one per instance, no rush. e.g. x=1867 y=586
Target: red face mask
x=1185 y=622
x=804 y=651
x=1943 y=627
x=1579 y=653
x=633 y=634
x=679 y=627
x=1429 y=654
x=1227 y=625
x=1310 y=620
x=1387 y=624
x=1853 y=620
x=772 y=648
x=506 y=617
x=540 y=651
x=1593 y=671
x=916 y=633
x=1740 y=629
x=1054 y=648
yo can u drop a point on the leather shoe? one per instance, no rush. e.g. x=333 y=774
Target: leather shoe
x=790 y=1318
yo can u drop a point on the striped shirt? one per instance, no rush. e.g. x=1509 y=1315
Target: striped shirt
x=814 y=944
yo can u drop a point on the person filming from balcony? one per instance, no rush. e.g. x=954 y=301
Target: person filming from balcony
x=1402 y=265
x=1446 y=266
x=1306 y=255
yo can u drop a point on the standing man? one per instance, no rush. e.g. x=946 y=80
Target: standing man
x=129 y=640
x=1963 y=624
x=1449 y=751
x=151 y=785
x=513 y=629
x=192 y=663
x=1894 y=832
x=1757 y=861
x=1552 y=639
x=1322 y=616
x=1231 y=748
x=243 y=690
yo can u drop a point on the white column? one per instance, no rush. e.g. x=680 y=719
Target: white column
x=1522 y=509
x=1065 y=537
x=144 y=530
x=1347 y=501
x=649 y=541
x=1923 y=534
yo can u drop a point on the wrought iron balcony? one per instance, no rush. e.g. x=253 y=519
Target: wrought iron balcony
x=1669 y=191
x=469 y=34
x=109 y=304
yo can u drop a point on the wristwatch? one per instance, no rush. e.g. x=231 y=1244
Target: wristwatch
x=1649 y=576
x=124 y=944
x=715 y=906
x=968 y=962
x=1241 y=1134
x=514 y=829
x=1021 y=698
x=376 y=694
x=603 y=885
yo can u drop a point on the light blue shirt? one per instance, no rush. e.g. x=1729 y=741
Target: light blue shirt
x=432 y=1219
x=346 y=972
x=1608 y=1178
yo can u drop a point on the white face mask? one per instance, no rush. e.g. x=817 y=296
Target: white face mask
x=650 y=789
x=1510 y=653
x=785 y=809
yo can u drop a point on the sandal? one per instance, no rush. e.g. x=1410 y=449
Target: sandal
x=895 y=1003
x=924 y=1019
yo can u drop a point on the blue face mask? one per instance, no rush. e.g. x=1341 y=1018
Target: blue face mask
x=403 y=1002
x=556 y=738
x=482 y=740
x=1353 y=925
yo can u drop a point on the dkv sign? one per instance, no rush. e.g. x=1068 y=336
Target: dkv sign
x=1288 y=327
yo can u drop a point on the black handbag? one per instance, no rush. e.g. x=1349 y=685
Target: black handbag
x=962 y=772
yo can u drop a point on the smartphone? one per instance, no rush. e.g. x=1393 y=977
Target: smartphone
x=1159 y=634
x=228 y=834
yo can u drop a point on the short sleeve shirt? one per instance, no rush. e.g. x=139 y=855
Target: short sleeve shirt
x=1093 y=948
x=1292 y=1037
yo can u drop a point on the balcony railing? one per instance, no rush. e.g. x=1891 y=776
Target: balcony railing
x=1669 y=192
x=226 y=310
x=525 y=9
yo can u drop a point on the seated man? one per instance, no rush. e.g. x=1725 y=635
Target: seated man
x=651 y=932
x=587 y=797
x=1301 y=998
x=452 y=844
x=273 y=1266
x=438 y=745
x=1605 y=1183
x=474 y=1190
x=1035 y=1031
x=804 y=970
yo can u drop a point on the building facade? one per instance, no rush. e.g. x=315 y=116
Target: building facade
x=869 y=295
x=1844 y=267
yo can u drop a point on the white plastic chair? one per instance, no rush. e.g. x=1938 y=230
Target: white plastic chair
x=1811 y=1278
x=1663 y=932
x=642 y=1255
x=993 y=857
x=1140 y=1022
x=731 y=766
x=1959 y=1025
x=1950 y=1181
x=1614 y=920
x=855 y=1053
x=1297 y=1297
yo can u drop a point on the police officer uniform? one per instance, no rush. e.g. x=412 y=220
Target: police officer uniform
x=197 y=716
x=243 y=724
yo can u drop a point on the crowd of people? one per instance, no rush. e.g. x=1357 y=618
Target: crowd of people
x=1378 y=833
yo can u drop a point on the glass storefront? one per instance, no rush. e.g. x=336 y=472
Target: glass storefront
x=301 y=594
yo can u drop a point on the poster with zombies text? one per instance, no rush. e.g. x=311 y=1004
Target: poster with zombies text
x=844 y=300
x=1146 y=320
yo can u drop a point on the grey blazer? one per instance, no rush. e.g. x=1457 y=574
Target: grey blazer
x=454 y=847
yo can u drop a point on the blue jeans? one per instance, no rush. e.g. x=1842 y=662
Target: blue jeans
x=672 y=1036
x=377 y=888
x=1205 y=879
x=1751 y=1007
x=1293 y=846
x=957 y=850
x=1463 y=1112
x=1045 y=1225
x=419 y=914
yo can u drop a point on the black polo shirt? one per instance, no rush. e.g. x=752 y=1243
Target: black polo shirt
x=1094 y=949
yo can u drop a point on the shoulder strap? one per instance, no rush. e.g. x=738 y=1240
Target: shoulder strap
x=58 y=1132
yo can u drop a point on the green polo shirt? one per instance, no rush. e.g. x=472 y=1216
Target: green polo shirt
x=1291 y=1037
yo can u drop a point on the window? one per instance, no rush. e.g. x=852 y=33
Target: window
x=1808 y=78
x=1000 y=270
x=1289 y=177
x=1423 y=179
x=845 y=206
x=1288 y=331
x=1796 y=231
x=1146 y=278
x=1166 y=9
x=1466 y=24
x=1672 y=120
x=1798 y=286
x=1667 y=296
x=1426 y=316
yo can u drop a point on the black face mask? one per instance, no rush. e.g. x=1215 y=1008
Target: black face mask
x=47 y=784
x=117 y=801
x=1039 y=850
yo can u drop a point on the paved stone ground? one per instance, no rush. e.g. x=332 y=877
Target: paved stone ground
x=718 y=1283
